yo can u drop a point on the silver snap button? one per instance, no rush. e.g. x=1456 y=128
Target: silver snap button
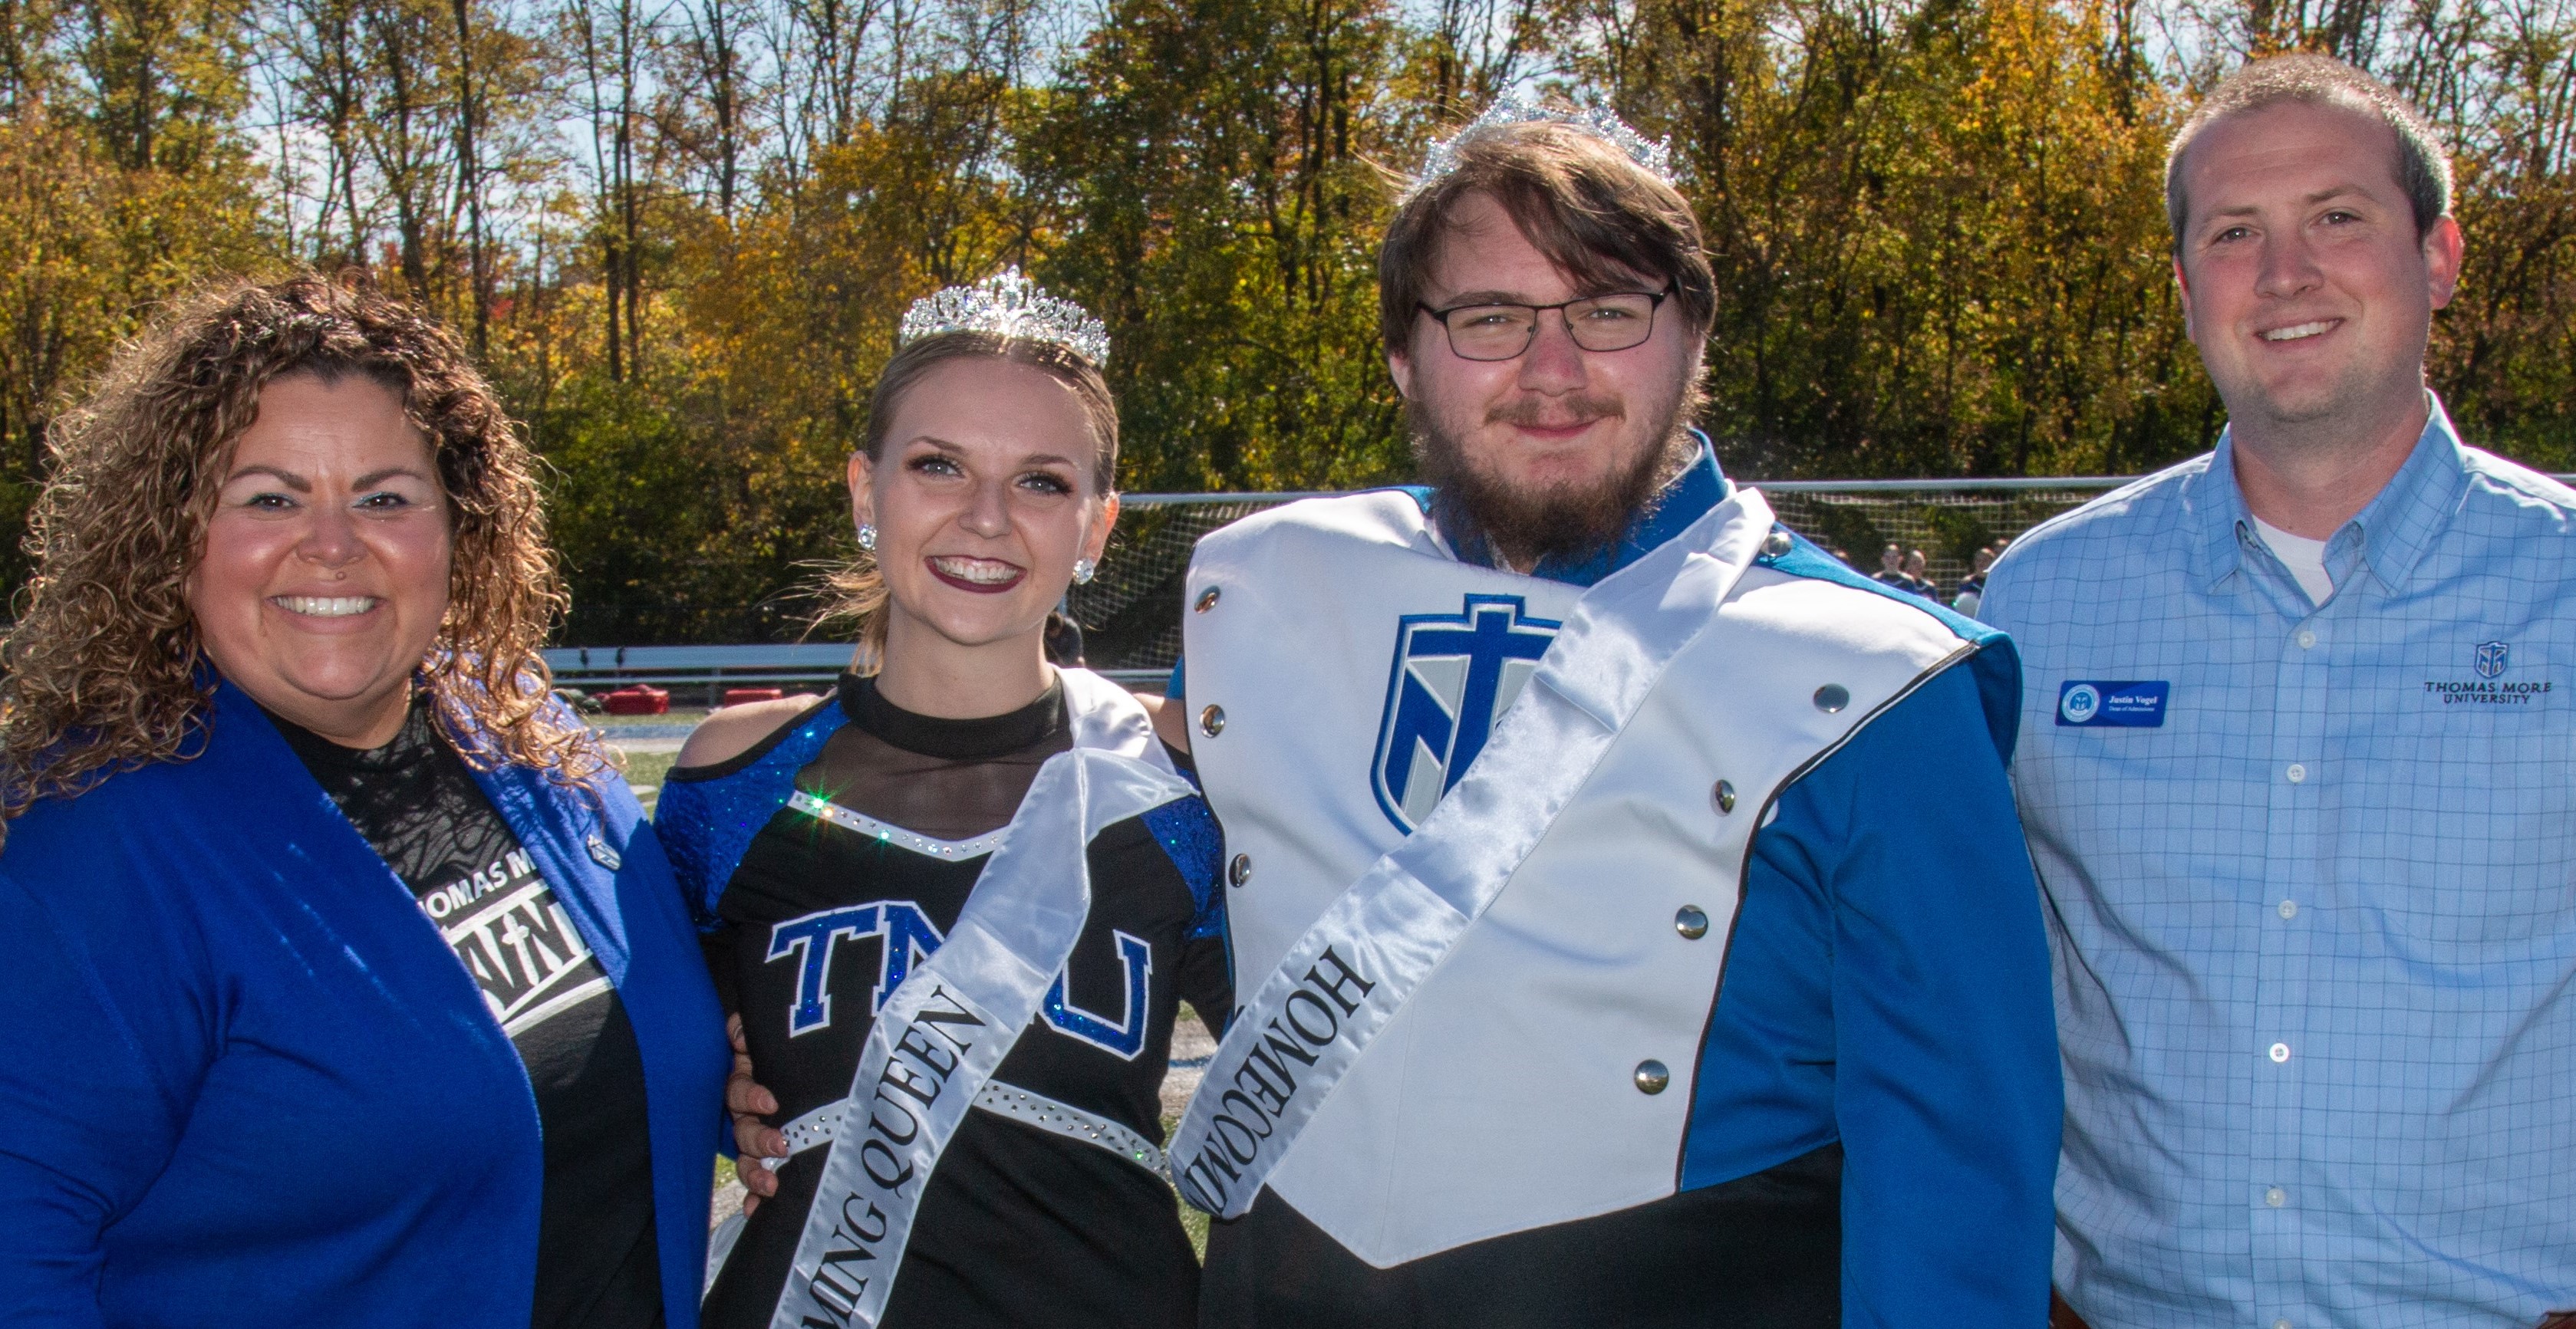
x=1832 y=697
x=1723 y=796
x=1212 y=721
x=1207 y=599
x=602 y=854
x=1652 y=1077
x=1691 y=921
x=1776 y=543
x=1240 y=870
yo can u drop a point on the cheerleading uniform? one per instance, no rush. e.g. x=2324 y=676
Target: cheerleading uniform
x=831 y=859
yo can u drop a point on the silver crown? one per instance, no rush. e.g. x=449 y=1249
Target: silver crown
x=1009 y=305
x=1515 y=109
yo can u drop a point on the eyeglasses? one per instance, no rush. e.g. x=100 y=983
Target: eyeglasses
x=1613 y=322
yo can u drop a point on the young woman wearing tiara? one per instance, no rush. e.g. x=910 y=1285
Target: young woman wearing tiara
x=832 y=846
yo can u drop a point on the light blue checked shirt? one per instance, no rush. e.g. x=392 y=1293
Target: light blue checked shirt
x=2314 y=914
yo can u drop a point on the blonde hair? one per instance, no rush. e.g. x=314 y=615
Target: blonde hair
x=855 y=593
x=105 y=668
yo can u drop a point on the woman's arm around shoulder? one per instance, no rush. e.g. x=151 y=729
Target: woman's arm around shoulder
x=1171 y=724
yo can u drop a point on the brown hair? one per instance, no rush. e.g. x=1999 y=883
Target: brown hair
x=2423 y=165
x=105 y=671
x=1581 y=201
x=856 y=592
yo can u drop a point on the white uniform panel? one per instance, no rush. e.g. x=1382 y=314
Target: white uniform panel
x=1298 y=651
x=1501 y=1097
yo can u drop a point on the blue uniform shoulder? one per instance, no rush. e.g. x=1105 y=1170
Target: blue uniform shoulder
x=707 y=816
x=1187 y=831
x=1994 y=663
x=1804 y=559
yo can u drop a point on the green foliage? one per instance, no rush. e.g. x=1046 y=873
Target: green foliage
x=1205 y=172
x=682 y=235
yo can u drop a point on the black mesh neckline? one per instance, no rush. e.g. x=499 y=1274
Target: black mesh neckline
x=953 y=740
x=418 y=738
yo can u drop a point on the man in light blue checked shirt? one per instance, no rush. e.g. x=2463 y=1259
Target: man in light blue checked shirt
x=2298 y=768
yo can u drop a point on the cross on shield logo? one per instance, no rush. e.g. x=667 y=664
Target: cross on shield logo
x=2491 y=658
x=1453 y=676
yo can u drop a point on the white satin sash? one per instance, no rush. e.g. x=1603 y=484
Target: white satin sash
x=1339 y=984
x=945 y=1030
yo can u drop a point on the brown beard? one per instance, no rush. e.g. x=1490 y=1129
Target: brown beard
x=1570 y=521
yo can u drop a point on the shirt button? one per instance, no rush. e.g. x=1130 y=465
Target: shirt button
x=2276 y=1197
x=2298 y=774
x=2289 y=909
x=2280 y=1052
x=2307 y=639
x=2280 y=1324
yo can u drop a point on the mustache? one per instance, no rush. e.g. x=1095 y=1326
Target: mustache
x=1557 y=412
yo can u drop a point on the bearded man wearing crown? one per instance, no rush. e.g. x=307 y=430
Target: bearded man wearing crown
x=1601 y=959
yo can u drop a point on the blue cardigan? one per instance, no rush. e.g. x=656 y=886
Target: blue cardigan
x=244 y=1081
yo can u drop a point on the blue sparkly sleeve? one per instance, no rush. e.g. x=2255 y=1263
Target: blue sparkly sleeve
x=706 y=823
x=1189 y=836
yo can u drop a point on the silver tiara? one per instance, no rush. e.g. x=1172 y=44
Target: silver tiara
x=1010 y=305
x=1515 y=109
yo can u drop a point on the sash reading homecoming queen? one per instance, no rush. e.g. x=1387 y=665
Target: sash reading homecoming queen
x=1345 y=978
x=945 y=1030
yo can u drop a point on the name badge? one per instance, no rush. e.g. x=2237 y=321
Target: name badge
x=2116 y=705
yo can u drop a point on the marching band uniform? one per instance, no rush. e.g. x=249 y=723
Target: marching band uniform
x=831 y=861
x=1729 y=1000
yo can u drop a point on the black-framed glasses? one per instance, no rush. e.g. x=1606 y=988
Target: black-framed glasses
x=1613 y=322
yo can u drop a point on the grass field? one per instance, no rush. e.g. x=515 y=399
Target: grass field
x=644 y=771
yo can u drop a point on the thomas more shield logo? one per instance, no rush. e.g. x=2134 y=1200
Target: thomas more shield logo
x=1453 y=676
x=2491 y=658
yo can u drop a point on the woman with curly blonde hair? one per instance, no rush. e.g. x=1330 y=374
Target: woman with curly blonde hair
x=307 y=876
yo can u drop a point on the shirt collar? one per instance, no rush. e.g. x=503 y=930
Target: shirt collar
x=2392 y=532
x=1683 y=500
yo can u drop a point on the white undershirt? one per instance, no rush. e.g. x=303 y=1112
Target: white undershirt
x=2305 y=558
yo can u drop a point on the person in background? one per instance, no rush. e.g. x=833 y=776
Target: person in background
x=1063 y=640
x=833 y=847
x=1973 y=586
x=2299 y=770
x=348 y=986
x=1891 y=569
x=1918 y=575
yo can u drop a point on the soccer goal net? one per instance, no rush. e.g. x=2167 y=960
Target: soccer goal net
x=1131 y=611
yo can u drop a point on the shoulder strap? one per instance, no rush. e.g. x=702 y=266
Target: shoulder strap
x=1107 y=718
x=706 y=823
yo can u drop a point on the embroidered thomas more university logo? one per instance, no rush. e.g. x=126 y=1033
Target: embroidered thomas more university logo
x=1452 y=677
x=2491 y=661
x=908 y=937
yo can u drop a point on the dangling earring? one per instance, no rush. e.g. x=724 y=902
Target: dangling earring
x=867 y=537
x=1082 y=570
